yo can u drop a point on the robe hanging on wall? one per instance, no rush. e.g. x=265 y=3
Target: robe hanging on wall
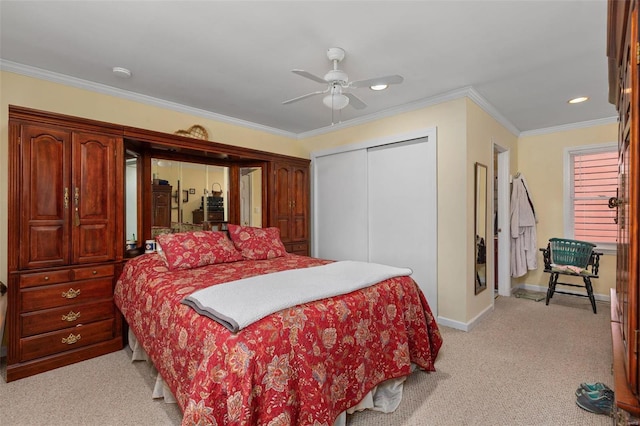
x=523 y=229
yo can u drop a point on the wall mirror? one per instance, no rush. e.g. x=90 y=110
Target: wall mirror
x=179 y=190
x=480 y=227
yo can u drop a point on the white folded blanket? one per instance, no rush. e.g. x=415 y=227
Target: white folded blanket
x=237 y=304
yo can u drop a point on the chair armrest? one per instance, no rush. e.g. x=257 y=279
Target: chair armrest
x=546 y=256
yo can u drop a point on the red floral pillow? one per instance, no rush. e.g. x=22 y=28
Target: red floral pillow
x=257 y=243
x=186 y=250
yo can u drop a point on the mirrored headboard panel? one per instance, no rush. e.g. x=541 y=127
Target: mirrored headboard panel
x=175 y=184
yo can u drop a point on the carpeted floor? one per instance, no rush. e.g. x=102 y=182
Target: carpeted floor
x=520 y=366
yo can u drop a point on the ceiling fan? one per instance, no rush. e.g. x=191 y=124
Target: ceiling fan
x=337 y=80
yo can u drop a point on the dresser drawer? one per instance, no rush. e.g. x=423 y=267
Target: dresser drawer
x=65 y=294
x=44 y=278
x=64 y=340
x=58 y=318
x=94 y=272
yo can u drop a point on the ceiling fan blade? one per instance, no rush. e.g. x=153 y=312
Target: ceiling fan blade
x=355 y=101
x=310 y=76
x=389 y=79
x=308 y=95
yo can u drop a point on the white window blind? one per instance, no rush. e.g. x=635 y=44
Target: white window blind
x=594 y=181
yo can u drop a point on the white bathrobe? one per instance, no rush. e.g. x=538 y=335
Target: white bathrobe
x=524 y=250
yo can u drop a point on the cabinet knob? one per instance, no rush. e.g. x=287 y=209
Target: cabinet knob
x=46 y=278
x=94 y=272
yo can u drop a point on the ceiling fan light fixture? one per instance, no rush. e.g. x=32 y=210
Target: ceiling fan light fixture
x=336 y=101
x=378 y=86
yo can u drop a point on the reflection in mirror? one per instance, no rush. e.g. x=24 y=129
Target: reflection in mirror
x=480 y=227
x=179 y=192
x=131 y=202
x=251 y=196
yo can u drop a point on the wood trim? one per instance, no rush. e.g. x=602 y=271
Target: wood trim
x=625 y=399
x=20 y=114
x=26 y=369
x=202 y=149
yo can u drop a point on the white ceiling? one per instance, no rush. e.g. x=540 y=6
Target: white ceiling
x=524 y=59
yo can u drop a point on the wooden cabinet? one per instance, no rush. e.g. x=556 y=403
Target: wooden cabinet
x=290 y=205
x=65 y=221
x=624 y=59
x=161 y=206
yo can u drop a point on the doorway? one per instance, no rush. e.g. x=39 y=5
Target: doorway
x=501 y=226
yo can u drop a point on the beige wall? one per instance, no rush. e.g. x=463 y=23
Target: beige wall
x=540 y=160
x=482 y=132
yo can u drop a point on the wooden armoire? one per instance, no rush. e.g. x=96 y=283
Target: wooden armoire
x=623 y=51
x=65 y=241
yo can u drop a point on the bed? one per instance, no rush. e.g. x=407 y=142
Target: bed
x=305 y=364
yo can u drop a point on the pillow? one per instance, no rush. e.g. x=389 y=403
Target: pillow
x=186 y=250
x=257 y=243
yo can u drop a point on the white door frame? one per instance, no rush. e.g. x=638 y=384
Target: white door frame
x=504 y=240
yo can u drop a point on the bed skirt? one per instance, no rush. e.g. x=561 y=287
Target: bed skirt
x=385 y=397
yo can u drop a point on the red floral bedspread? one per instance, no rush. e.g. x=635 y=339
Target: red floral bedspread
x=300 y=366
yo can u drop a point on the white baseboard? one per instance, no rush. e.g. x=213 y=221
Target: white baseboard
x=465 y=326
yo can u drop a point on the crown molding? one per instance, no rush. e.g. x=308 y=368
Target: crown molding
x=468 y=92
x=132 y=96
x=572 y=126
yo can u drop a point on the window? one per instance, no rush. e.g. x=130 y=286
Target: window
x=591 y=178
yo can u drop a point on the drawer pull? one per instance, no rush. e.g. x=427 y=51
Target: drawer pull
x=46 y=278
x=94 y=272
x=71 y=316
x=71 y=293
x=71 y=339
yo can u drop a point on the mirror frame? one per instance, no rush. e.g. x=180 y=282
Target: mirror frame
x=480 y=228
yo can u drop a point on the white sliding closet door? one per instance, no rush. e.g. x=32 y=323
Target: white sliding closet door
x=340 y=199
x=402 y=210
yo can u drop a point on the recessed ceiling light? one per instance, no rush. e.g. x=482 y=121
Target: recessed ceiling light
x=578 y=100
x=122 y=72
x=379 y=86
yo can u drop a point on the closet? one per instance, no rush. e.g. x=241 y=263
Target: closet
x=377 y=202
x=623 y=51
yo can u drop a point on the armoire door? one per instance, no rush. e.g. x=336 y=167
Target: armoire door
x=94 y=197
x=45 y=196
x=290 y=203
